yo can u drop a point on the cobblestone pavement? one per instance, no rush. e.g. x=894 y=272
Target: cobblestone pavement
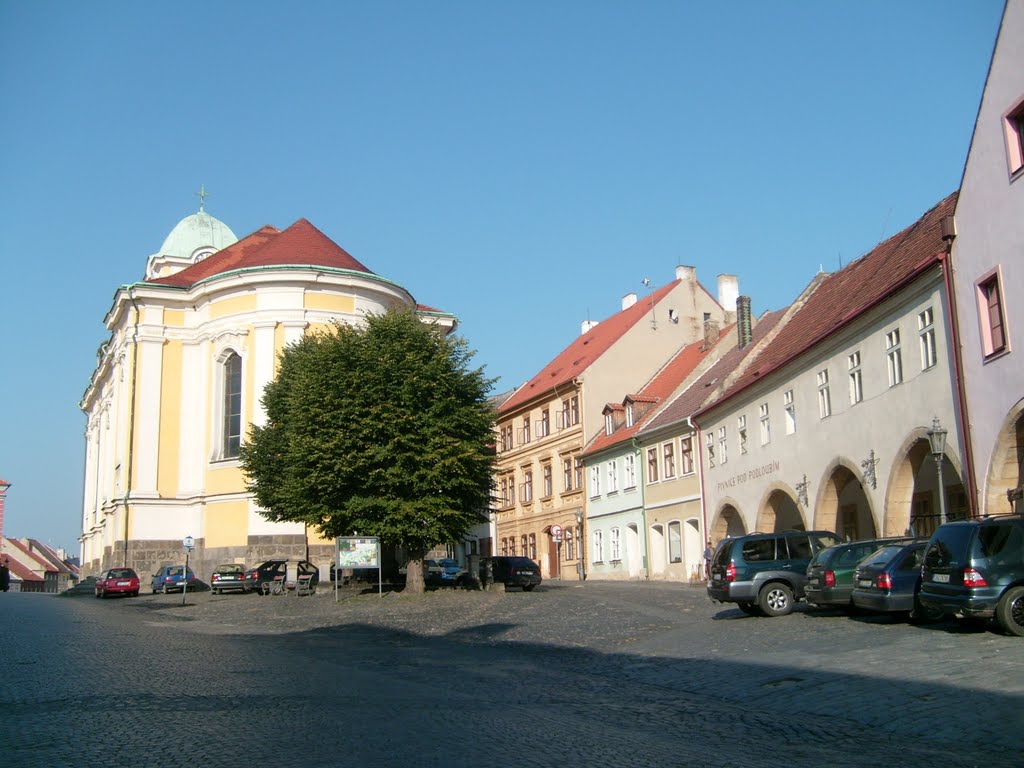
x=632 y=674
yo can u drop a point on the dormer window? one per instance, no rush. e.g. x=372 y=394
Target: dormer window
x=629 y=414
x=609 y=423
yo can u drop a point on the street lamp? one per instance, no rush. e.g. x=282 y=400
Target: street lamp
x=937 y=439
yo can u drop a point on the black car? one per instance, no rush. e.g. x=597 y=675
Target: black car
x=271 y=577
x=975 y=569
x=889 y=581
x=510 y=571
x=830 y=574
x=765 y=573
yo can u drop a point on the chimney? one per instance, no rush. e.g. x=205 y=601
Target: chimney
x=587 y=325
x=728 y=290
x=711 y=332
x=744 y=329
x=628 y=300
x=686 y=273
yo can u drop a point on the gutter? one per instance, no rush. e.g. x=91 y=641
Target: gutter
x=958 y=375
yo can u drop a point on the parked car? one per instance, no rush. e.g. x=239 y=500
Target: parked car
x=172 y=578
x=765 y=573
x=975 y=569
x=230 y=576
x=444 y=573
x=270 y=577
x=889 y=580
x=830 y=574
x=510 y=571
x=117 y=581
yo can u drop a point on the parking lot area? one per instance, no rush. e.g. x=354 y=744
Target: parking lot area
x=645 y=674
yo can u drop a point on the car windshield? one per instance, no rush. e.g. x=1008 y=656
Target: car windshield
x=122 y=573
x=448 y=563
x=230 y=568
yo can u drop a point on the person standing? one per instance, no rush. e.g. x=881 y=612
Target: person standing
x=708 y=552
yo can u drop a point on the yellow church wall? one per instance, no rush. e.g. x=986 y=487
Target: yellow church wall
x=174 y=318
x=328 y=302
x=233 y=306
x=226 y=524
x=170 y=421
x=220 y=480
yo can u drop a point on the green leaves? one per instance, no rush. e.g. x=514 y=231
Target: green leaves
x=381 y=430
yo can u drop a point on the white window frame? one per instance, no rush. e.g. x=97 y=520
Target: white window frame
x=597 y=549
x=709 y=445
x=613 y=476
x=668 y=460
x=686 y=466
x=766 y=424
x=224 y=449
x=853 y=364
x=629 y=470
x=894 y=357
x=616 y=542
x=824 y=395
x=595 y=481
x=789 y=407
x=926 y=337
x=741 y=431
x=723 y=447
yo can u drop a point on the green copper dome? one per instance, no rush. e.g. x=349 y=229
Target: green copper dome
x=195 y=234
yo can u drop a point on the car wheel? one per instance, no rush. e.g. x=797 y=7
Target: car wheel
x=1010 y=611
x=528 y=587
x=924 y=614
x=751 y=609
x=776 y=600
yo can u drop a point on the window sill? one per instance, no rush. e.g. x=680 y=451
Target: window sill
x=986 y=359
x=225 y=463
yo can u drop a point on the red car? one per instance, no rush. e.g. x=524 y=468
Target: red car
x=117 y=581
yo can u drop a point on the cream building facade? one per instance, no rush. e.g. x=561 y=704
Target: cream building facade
x=540 y=509
x=180 y=378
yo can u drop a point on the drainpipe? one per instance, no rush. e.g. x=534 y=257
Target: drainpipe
x=643 y=507
x=958 y=374
x=131 y=423
x=700 y=469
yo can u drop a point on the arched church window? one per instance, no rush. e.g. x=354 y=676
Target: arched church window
x=232 y=430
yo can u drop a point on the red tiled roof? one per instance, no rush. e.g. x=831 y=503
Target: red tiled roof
x=300 y=244
x=664 y=383
x=705 y=388
x=29 y=553
x=843 y=296
x=21 y=572
x=585 y=349
x=42 y=550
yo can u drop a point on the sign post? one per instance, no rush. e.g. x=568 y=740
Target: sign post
x=355 y=553
x=188 y=543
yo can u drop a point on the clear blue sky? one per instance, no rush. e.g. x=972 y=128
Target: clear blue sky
x=520 y=164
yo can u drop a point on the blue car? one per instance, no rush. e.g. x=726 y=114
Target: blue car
x=170 y=578
x=889 y=581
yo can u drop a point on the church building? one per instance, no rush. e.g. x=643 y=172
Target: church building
x=180 y=379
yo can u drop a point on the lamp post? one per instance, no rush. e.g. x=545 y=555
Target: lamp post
x=937 y=439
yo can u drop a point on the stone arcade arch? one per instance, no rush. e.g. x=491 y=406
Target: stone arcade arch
x=779 y=511
x=657 y=553
x=842 y=505
x=728 y=522
x=1006 y=470
x=911 y=500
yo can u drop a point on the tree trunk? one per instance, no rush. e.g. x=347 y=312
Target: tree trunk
x=414 y=576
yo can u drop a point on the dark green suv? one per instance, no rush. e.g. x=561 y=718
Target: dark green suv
x=830 y=574
x=765 y=573
x=975 y=569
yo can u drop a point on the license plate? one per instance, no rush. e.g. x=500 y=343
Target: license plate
x=123 y=583
x=813 y=582
x=941 y=577
x=864 y=582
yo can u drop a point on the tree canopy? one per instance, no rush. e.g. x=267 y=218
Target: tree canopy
x=380 y=430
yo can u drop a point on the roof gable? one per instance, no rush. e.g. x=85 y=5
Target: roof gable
x=662 y=385
x=585 y=349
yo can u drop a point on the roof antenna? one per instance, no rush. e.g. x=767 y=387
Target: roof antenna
x=647 y=284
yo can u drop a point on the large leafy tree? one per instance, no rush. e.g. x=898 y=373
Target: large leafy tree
x=380 y=430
